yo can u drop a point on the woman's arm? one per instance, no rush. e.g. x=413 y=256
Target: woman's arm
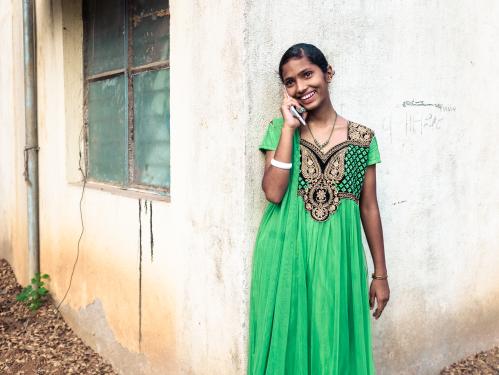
x=275 y=180
x=371 y=221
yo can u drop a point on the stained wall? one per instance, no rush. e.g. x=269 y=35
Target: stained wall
x=157 y=285
x=162 y=286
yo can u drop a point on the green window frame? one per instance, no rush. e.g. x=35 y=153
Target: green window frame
x=126 y=46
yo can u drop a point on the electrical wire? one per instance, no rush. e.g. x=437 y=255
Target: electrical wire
x=84 y=176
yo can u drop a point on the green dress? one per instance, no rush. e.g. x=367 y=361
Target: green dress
x=309 y=304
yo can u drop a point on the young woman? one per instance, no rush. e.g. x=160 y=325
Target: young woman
x=309 y=308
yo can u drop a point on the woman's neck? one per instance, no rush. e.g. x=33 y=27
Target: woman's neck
x=322 y=116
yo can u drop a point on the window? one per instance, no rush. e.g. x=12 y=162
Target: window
x=127 y=93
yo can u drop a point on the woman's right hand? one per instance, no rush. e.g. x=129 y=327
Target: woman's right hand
x=289 y=120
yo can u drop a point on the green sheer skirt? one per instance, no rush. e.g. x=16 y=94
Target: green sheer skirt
x=309 y=307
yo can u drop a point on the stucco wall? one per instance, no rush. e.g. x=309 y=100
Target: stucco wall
x=436 y=186
x=436 y=183
x=13 y=209
x=189 y=311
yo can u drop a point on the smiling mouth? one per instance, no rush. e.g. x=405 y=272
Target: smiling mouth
x=308 y=96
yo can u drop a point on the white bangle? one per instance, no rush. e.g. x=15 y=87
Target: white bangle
x=280 y=164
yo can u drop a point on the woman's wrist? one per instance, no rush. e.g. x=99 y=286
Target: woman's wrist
x=378 y=276
x=380 y=269
x=288 y=128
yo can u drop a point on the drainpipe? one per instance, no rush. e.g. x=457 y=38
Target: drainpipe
x=31 y=146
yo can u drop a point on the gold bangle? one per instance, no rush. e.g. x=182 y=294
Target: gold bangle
x=379 y=277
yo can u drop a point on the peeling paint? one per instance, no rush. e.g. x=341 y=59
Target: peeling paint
x=108 y=270
x=90 y=323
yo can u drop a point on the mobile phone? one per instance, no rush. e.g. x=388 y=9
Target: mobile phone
x=295 y=112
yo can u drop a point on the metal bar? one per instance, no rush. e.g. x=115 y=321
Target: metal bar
x=152 y=66
x=86 y=28
x=130 y=98
x=155 y=188
x=108 y=74
x=31 y=147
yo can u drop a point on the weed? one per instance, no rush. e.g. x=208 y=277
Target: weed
x=34 y=294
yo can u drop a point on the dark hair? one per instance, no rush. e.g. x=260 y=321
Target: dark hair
x=309 y=51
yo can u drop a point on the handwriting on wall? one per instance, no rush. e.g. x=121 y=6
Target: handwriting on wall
x=417 y=123
x=418 y=118
x=421 y=116
x=421 y=103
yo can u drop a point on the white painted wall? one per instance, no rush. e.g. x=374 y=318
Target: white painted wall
x=437 y=188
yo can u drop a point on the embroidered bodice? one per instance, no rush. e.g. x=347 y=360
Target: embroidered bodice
x=327 y=178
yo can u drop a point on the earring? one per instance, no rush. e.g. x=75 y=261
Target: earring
x=331 y=78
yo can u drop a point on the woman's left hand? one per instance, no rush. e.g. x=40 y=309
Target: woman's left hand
x=379 y=291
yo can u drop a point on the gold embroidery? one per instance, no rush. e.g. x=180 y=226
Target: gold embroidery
x=318 y=152
x=359 y=134
x=323 y=171
x=351 y=196
x=320 y=195
x=335 y=169
x=310 y=168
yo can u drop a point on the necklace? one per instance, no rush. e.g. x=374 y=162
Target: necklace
x=324 y=144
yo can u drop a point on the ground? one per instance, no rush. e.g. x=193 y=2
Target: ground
x=42 y=343
x=483 y=363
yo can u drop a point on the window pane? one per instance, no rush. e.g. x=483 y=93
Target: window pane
x=107 y=128
x=104 y=49
x=151 y=31
x=152 y=127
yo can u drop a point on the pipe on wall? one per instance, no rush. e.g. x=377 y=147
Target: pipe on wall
x=31 y=145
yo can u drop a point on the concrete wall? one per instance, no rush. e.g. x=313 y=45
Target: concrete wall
x=174 y=308
x=436 y=183
x=13 y=206
x=189 y=315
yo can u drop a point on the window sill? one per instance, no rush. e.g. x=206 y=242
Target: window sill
x=125 y=192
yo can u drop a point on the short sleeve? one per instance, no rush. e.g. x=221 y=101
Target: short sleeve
x=272 y=135
x=373 y=155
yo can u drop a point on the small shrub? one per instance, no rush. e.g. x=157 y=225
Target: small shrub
x=34 y=294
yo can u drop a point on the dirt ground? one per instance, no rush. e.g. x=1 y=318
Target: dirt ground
x=42 y=343
x=39 y=342
x=483 y=363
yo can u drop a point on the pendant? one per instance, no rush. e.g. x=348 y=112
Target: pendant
x=321 y=146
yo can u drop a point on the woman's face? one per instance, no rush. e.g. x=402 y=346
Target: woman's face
x=306 y=82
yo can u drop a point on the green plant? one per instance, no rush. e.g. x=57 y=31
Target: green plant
x=34 y=294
